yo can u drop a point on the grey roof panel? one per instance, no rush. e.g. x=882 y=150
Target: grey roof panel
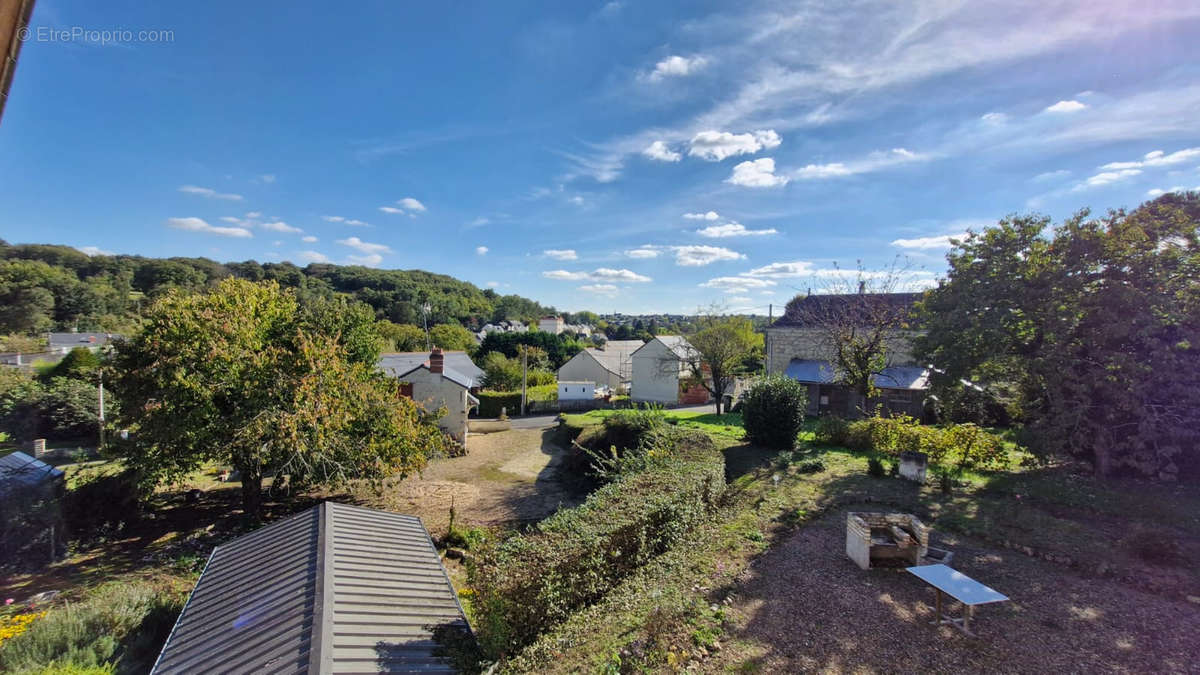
x=397 y=363
x=18 y=468
x=334 y=589
x=894 y=377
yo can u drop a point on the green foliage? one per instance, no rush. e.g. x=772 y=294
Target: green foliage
x=501 y=373
x=530 y=583
x=60 y=409
x=558 y=348
x=452 y=337
x=957 y=446
x=242 y=376
x=401 y=337
x=1090 y=333
x=832 y=430
x=719 y=352
x=80 y=363
x=875 y=468
x=102 y=503
x=491 y=402
x=119 y=625
x=773 y=411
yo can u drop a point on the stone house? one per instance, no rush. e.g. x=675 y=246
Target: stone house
x=799 y=345
x=433 y=385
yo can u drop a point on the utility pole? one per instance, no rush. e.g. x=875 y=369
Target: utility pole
x=767 y=337
x=524 y=376
x=425 y=319
x=101 y=446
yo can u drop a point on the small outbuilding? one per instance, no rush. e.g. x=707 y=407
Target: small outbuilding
x=334 y=589
x=576 y=391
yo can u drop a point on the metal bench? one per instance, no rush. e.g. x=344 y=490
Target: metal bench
x=960 y=587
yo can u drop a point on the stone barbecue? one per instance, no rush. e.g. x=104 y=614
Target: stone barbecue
x=885 y=539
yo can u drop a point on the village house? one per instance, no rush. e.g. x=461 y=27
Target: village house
x=551 y=324
x=434 y=385
x=800 y=345
x=659 y=367
x=610 y=366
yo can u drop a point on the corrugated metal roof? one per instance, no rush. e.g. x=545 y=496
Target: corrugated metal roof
x=894 y=377
x=18 y=468
x=335 y=589
x=397 y=363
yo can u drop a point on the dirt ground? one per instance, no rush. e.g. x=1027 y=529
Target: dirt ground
x=506 y=478
x=805 y=607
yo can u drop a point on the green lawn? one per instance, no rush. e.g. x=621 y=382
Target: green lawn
x=728 y=425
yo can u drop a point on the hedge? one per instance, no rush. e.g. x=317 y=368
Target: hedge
x=490 y=403
x=530 y=583
x=964 y=446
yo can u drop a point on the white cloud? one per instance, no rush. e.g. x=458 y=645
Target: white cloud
x=994 y=118
x=783 y=270
x=642 y=252
x=738 y=284
x=353 y=221
x=710 y=215
x=732 y=230
x=481 y=250
x=280 y=226
x=676 y=66
x=1106 y=178
x=254 y=214
x=479 y=222
x=659 y=151
x=209 y=193
x=333 y=219
x=600 y=289
x=313 y=257
x=267 y=178
x=698 y=256
x=600 y=274
x=757 y=173
x=718 y=145
x=366 y=248
x=740 y=300
x=1156 y=158
x=493 y=284
x=576 y=200
x=369 y=260
x=873 y=162
x=1051 y=175
x=390 y=209
x=925 y=243
x=308 y=239
x=199 y=225
x=93 y=250
x=561 y=254
x=1066 y=107
x=1157 y=192
x=411 y=204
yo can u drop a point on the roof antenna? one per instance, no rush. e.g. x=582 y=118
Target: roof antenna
x=862 y=287
x=810 y=290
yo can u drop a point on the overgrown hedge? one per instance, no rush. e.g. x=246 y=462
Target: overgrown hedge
x=530 y=583
x=964 y=446
x=490 y=403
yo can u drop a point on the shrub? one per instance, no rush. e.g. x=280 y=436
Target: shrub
x=530 y=583
x=875 y=468
x=773 y=411
x=832 y=430
x=118 y=623
x=490 y=402
x=961 y=446
x=101 y=502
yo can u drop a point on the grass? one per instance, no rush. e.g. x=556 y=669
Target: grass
x=669 y=614
x=728 y=425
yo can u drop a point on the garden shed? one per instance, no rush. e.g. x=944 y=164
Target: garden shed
x=334 y=589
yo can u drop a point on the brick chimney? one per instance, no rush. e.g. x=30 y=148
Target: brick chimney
x=437 y=362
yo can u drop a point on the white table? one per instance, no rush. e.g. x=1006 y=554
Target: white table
x=960 y=587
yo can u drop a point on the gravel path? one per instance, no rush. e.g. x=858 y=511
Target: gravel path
x=805 y=607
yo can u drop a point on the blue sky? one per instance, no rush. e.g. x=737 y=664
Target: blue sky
x=624 y=156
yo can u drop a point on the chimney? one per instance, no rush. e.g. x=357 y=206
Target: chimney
x=437 y=361
x=862 y=287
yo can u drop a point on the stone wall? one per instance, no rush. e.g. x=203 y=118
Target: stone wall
x=785 y=343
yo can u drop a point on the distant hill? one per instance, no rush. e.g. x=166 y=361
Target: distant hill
x=47 y=287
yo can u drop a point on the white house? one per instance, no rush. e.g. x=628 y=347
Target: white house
x=433 y=385
x=576 y=391
x=610 y=367
x=658 y=367
x=551 y=324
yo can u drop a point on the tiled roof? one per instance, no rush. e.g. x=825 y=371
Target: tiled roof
x=807 y=310
x=402 y=363
x=334 y=589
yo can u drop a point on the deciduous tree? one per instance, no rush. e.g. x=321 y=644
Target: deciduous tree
x=718 y=352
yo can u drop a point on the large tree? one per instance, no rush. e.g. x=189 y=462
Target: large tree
x=1094 y=327
x=719 y=351
x=245 y=376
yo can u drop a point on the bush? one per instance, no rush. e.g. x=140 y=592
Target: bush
x=960 y=446
x=832 y=430
x=773 y=411
x=101 y=503
x=490 y=402
x=530 y=583
x=875 y=468
x=118 y=624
